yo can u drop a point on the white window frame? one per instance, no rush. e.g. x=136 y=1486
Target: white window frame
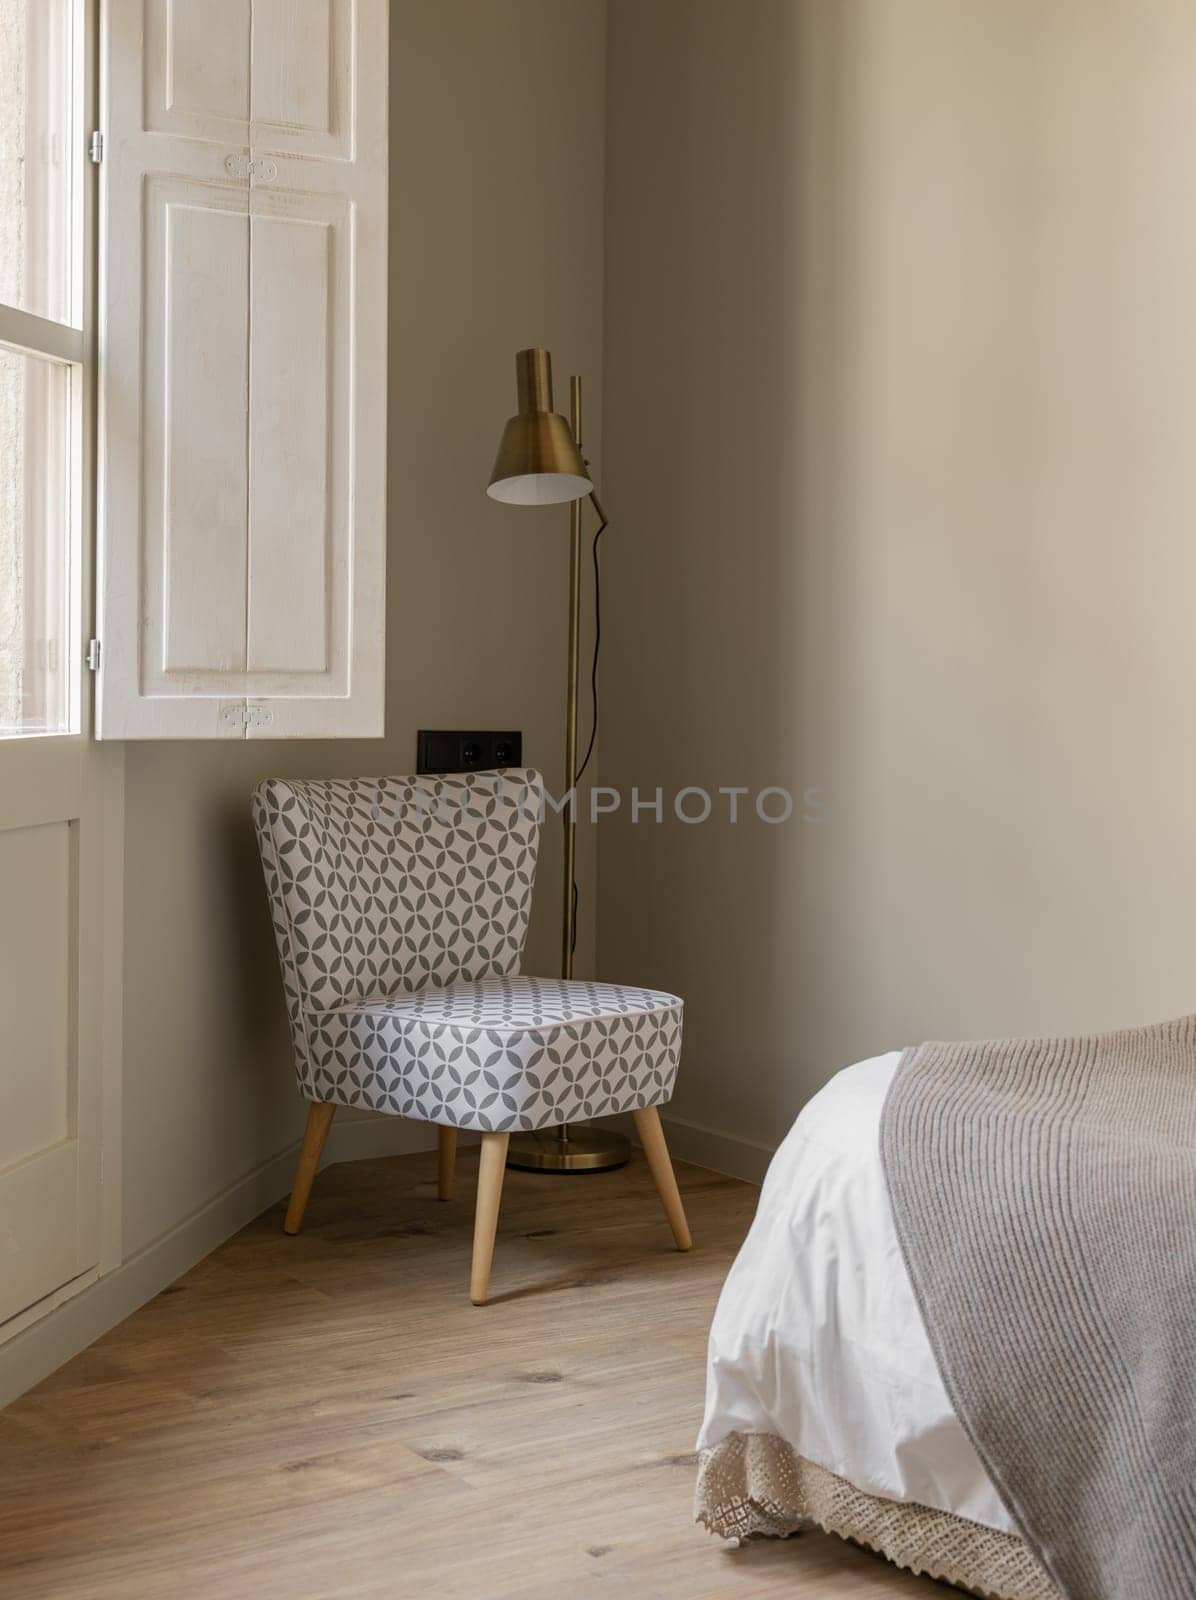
x=70 y=345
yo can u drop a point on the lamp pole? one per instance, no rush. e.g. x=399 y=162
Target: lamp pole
x=540 y=462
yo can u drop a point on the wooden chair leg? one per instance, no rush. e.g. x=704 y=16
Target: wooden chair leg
x=319 y=1120
x=490 y=1174
x=647 y=1125
x=446 y=1162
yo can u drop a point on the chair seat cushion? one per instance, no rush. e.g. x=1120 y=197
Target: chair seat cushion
x=503 y=1054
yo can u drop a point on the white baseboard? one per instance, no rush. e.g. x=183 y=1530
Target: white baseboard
x=717 y=1152
x=41 y=1346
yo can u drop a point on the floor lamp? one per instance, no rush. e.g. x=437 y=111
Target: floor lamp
x=539 y=463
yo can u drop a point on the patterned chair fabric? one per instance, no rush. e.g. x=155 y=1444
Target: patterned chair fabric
x=400 y=908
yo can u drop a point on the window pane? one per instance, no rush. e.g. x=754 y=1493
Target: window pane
x=35 y=544
x=37 y=142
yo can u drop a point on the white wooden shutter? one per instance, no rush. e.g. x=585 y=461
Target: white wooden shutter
x=243 y=369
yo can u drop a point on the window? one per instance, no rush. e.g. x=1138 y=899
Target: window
x=41 y=352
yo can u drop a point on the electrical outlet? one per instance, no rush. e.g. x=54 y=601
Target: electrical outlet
x=438 y=750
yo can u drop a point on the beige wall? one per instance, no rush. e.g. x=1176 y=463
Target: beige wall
x=900 y=340
x=496 y=242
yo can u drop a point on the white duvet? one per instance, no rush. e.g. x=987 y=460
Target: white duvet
x=817 y=1336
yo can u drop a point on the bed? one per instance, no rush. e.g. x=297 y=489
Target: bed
x=824 y=1404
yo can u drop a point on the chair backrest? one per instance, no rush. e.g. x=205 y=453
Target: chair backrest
x=381 y=886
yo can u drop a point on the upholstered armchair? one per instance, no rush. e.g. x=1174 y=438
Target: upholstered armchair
x=400 y=908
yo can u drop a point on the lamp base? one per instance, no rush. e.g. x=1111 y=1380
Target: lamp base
x=582 y=1149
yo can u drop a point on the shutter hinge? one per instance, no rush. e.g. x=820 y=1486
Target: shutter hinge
x=93 y=654
x=237 y=718
x=95 y=148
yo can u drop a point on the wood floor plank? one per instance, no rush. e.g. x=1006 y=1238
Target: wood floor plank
x=327 y=1417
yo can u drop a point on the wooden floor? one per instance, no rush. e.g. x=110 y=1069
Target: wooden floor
x=328 y=1416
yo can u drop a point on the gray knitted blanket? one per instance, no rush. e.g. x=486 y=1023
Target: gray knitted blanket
x=1044 y=1192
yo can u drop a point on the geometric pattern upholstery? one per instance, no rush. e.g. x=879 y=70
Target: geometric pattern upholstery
x=400 y=910
x=380 y=885
x=510 y=1053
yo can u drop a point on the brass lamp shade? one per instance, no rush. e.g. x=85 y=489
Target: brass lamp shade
x=538 y=461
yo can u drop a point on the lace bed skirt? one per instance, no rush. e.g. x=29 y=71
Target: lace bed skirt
x=752 y=1484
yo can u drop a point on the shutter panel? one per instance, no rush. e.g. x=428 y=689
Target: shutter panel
x=243 y=369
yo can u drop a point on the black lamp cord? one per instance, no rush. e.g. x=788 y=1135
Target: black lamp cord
x=601 y=529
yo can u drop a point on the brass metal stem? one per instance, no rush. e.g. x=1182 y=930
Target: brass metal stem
x=533 y=380
x=569 y=921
